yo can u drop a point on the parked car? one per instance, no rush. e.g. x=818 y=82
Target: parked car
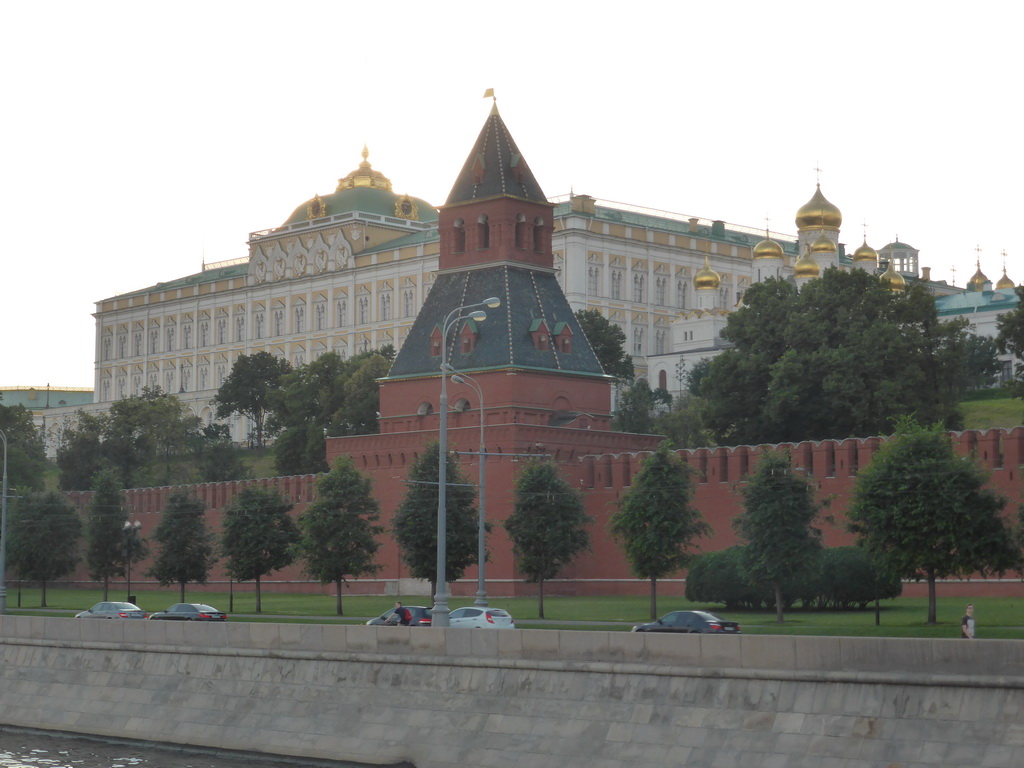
x=190 y=612
x=108 y=610
x=481 y=618
x=420 y=617
x=690 y=621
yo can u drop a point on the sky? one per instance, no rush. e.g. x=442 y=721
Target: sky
x=144 y=138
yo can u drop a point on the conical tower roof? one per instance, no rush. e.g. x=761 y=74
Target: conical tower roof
x=495 y=167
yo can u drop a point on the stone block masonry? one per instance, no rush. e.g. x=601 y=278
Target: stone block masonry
x=442 y=698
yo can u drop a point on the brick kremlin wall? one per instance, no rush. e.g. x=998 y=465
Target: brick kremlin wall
x=602 y=465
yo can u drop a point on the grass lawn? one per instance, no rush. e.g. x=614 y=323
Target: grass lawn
x=904 y=617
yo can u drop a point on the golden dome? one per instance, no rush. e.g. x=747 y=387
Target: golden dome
x=865 y=253
x=364 y=176
x=896 y=281
x=767 y=249
x=818 y=213
x=823 y=245
x=706 y=278
x=977 y=283
x=1004 y=282
x=806 y=267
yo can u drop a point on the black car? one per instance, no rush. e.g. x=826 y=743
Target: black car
x=690 y=621
x=190 y=612
x=420 y=617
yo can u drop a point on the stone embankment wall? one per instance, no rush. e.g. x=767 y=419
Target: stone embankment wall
x=539 y=698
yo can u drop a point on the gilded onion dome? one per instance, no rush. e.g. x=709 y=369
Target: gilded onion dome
x=768 y=249
x=823 y=245
x=818 y=213
x=896 y=281
x=806 y=267
x=1004 y=282
x=706 y=278
x=864 y=253
x=977 y=283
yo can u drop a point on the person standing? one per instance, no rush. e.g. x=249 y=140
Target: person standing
x=967 y=623
x=404 y=616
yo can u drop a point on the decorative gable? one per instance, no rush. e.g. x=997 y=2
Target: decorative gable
x=540 y=334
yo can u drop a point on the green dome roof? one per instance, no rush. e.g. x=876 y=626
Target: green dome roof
x=366 y=191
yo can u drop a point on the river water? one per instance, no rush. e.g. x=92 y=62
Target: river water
x=41 y=749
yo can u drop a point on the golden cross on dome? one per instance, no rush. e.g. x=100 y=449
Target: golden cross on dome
x=817 y=171
x=766 y=222
x=977 y=250
x=865 y=225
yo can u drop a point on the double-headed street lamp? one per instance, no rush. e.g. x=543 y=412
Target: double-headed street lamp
x=440 y=610
x=131 y=530
x=481 y=591
x=3 y=533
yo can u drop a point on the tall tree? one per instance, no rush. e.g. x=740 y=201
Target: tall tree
x=779 y=510
x=104 y=530
x=548 y=524
x=683 y=424
x=185 y=544
x=26 y=455
x=1010 y=338
x=608 y=342
x=638 y=406
x=840 y=357
x=415 y=521
x=259 y=536
x=248 y=388
x=80 y=453
x=982 y=364
x=927 y=512
x=338 y=532
x=656 y=521
x=44 y=532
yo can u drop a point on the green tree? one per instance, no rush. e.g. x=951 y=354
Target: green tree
x=328 y=397
x=249 y=387
x=548 y=524
x=44 y=532
x=338 y=532
x=80 y=453
x=185 y=544
x=259 y=535
x=217 y=456
x=1010 y=338
x=637 y=408
x=415 y=522
x=926 y=512
x=608 y=342
x=683 y=424
x=146 y=439
x=982 y=364
x=779 y=510
x=841 y=357
x=104 y=533
x=656 y=520
x=26 y=456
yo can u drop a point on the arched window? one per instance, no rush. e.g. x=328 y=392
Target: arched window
x=521 y=230
x=483 y=232
x=459 y=241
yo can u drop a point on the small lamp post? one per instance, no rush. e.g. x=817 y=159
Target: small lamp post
x=481 y=590
x=440 y=610
x=131 y=530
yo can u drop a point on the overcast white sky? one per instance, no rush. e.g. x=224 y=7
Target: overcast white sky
x=143 y=137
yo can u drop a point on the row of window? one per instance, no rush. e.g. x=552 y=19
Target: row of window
x=221 y=332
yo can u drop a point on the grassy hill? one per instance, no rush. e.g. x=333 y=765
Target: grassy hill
x=990 y=408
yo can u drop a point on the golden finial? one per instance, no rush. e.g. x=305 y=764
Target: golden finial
x=366 y=152
x=489 y=93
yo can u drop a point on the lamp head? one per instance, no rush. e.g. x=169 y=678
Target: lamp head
x=458 y=379
x=478 y=316
x=492 y=302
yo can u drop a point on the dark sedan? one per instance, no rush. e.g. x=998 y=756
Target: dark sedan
x=107 y=610
x=421 y=617
x=190 y=612
x=690 y=621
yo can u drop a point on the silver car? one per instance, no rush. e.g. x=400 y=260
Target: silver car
x=107 y=610
x=476 y=617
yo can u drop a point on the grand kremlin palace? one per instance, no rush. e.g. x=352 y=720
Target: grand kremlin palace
x=347 y=271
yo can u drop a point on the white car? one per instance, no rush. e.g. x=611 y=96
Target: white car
x=475 y=617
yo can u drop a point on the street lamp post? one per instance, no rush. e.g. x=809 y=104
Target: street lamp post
x=440 y=610
x=131 y=530
x=3 y=533
x=481 y=589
